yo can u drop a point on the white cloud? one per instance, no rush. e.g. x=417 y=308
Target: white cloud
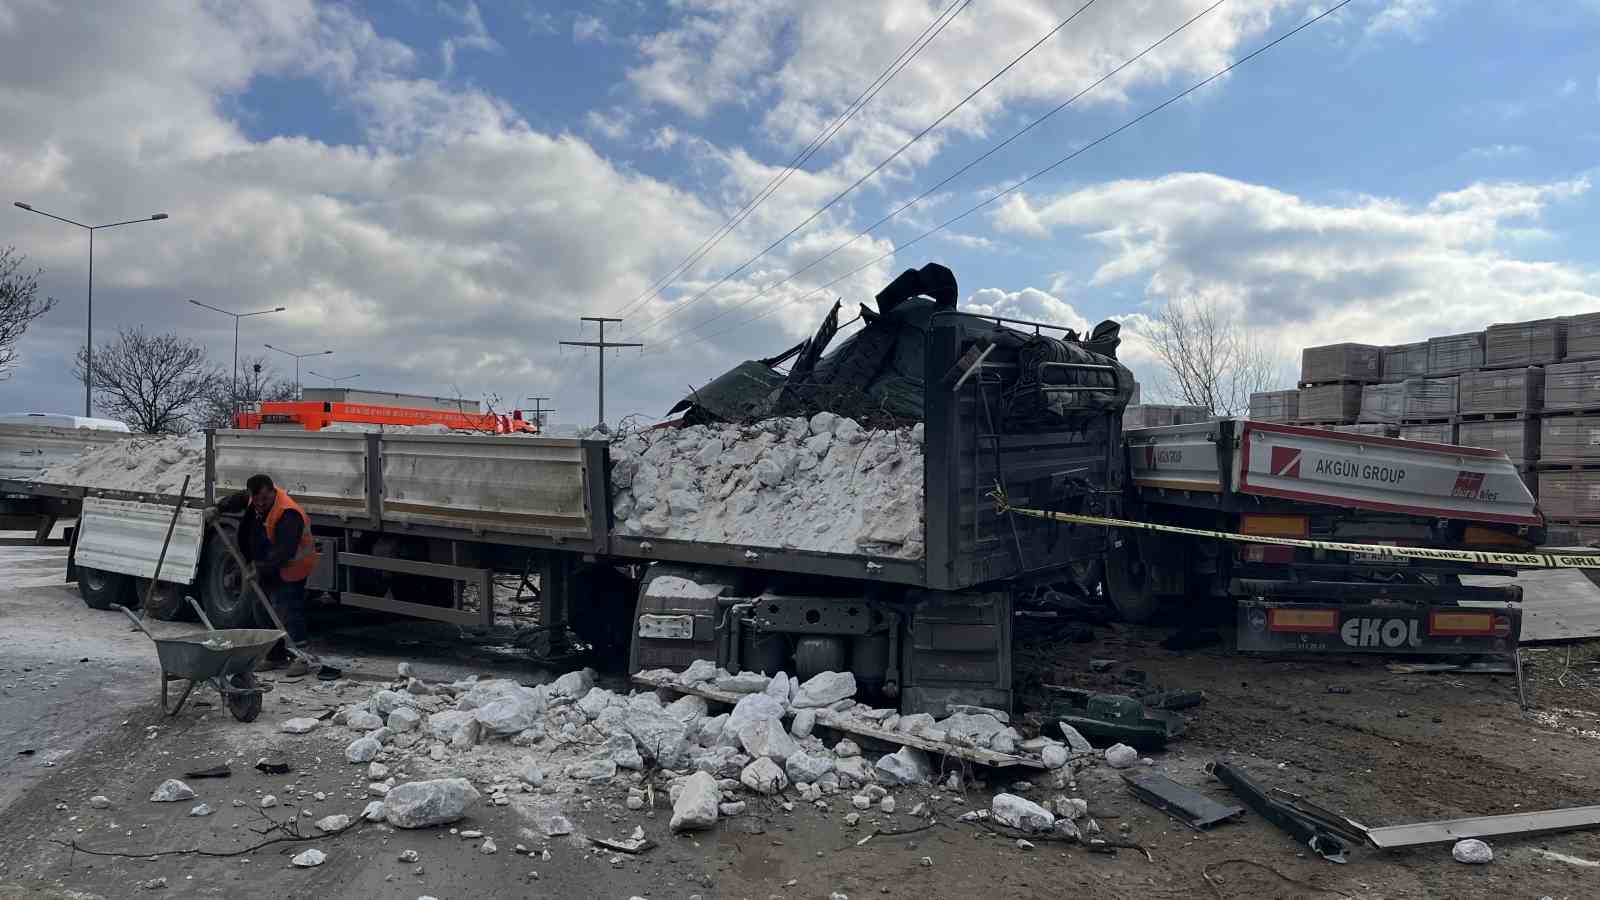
x=1403 y=17
x=587 y=28
x=1028 y=304
x=805 y=62
x=1496 y=151
x=1375 y=270
x=476 y=36
x=1568 y=87
x=614 y=123
x=453 y=245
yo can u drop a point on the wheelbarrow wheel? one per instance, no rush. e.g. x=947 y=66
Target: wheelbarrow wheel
x=245 y=706
x=166 y=603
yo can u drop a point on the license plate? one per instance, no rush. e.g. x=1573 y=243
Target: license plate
x=1378 y=559
x=672 y=628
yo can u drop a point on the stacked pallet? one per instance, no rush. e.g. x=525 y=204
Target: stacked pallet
x=1332 y=381
x=1151 y=415
x=1528 y=389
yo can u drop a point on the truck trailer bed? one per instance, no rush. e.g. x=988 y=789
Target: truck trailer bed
x=1226 y=462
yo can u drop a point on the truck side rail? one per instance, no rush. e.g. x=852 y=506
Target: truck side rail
x=525 y=491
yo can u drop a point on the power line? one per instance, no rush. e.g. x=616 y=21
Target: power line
x=873 y=171
x=910 y=52
x=953 y=175
x=1053 y=166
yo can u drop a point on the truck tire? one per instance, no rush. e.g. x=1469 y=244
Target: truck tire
x=1128 y=585
x=228 y=602
x=166 y=603
x=100 y=588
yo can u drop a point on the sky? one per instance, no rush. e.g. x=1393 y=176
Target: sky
x=437 y=190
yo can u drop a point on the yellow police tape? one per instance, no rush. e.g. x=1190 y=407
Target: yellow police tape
x=1482 y=557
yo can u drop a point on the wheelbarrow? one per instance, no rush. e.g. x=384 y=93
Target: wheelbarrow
x=226 y=658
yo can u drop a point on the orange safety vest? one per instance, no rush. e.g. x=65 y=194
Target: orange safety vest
x=305 y=557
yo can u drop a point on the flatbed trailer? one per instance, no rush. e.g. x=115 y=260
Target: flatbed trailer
x=417 y=525
x=1254 y=478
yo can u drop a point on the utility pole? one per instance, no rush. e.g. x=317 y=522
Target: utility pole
x=602 y=346
x=539 y=410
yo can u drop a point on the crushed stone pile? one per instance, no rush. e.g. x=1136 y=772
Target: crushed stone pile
x=153 y=465
x=431 y=753
x=823 y=484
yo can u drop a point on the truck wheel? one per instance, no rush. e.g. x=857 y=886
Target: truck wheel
x=228 y=602
x=1128 y=585
x=167 y=602
x=100 y=588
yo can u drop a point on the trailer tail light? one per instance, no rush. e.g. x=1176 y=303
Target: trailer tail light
x=1303 y=621
x=1275 y=526
x=1478 y=536
x=1456 y=623
x=1266 y=553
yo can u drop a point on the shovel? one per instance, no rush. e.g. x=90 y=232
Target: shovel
x=325 y=672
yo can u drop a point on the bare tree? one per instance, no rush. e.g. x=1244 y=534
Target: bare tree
x=157 y=383
x=1212 y=357
x=20 y=304
x=258 y=381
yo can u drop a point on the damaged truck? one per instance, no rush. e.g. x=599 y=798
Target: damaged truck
x=834 y=507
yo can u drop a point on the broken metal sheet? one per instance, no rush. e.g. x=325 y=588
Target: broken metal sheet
x=1324 y=843
x=1343 y=826
x=1183 y=803
x=1421 y=834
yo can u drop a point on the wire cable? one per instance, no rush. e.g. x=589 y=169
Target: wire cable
x=1040 y=173
x=822 y=137
x=959 y=172
x=871 y=172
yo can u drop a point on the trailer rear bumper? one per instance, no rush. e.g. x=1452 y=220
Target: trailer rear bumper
x=1267 y=626
x=1373 y=591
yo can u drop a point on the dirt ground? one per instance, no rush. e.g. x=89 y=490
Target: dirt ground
x=78 y=690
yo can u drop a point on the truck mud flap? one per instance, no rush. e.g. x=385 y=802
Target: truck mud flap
x=1271 y=627
x=958 y=651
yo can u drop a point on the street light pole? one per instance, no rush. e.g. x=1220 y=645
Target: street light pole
x=297 y=358
x=236 y=318
x=331 y=379
x=88 y=347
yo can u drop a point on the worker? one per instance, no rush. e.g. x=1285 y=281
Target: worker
x=275 y=540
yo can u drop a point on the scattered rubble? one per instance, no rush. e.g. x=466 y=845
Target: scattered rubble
x=171 y=791
x=299 y=726
x=1472 y=851
x=1121 y=756
x=420 y=804
x=335 y=823
x=696 y=804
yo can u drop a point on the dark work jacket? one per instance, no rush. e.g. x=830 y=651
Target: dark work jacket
x=267 y=555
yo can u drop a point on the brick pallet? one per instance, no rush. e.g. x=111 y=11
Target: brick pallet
x=1455 y=353
x=1338 y=363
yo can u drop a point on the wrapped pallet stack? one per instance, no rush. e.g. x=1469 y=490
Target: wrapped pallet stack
x=1275 y=406
x=1455 y=353
x=1331 y=381
x=1403 y=361
x=1151 y=415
